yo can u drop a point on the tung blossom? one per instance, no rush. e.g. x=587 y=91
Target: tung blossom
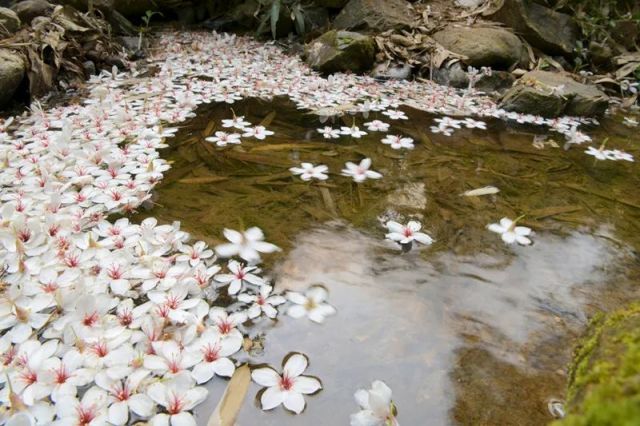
x=248 y=244
x=312 y=304
x=407 y=234
x=377 y=408
x=286 y=389
x=511 y=233
x=262 y=302
x=308 y=171
x=360 y=172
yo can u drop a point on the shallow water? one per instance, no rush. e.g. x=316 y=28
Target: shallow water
x=467 y=331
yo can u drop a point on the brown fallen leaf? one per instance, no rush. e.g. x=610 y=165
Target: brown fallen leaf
x=268 y=119
x=227 y=410
x=204 y=179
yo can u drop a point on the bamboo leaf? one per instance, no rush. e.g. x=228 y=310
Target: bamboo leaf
x=227 y=410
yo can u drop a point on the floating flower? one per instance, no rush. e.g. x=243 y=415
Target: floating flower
x=312 y=304
x=377 y=126
x=510 y=232
x=329 y=133
x=377 y=408
x=236 y=122
x=308 y=171
x=353 y=131
x=395 y=115
x=177 y=396
x=213 y=351
x=223 y=138
x=630 y=122
x=615 y=154
x=470 y=123
x=258 y=132
x=238 y=276
x=599 y=153
x=286 y=389
x=360 y=172
x=262 y=302
x=248 y=245
x=398 y=142
x=406 y=235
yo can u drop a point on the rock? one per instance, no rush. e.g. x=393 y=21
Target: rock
x=391 y=71
x=9 y=20
x=337 y=51
x=483 y=46
x=552 y=32
x=453 y=76
x=374 y=15
x=627 y=33
x=552 y=94
x=121 y=25
x=603 y=378
x=12 y=72
x=29 y=9
x=89 y=68
x=498 y=81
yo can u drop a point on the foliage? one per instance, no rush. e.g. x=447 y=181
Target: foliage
x=271 y=11
x=146 y=19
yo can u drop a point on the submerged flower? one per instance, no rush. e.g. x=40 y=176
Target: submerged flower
x=407 y=234
x=398 y=142
x=286 y=389
x=360 y=172
x=312 y=304
x=308 y=171
x=510 y=232
x=377 y=408
x=248 y=245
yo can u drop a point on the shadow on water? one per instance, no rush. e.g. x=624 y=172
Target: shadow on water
x=467 y=331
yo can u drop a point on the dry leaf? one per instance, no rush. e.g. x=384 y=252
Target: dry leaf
x=204 y=179
x=227 y=410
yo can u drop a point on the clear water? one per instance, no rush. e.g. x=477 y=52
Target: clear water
x=467 y=331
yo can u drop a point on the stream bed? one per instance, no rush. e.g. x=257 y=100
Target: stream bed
x=468 y=330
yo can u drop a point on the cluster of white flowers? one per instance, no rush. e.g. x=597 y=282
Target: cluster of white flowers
x=223 y=138
x=609 y=154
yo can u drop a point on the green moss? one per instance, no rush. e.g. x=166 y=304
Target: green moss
x=604 y=379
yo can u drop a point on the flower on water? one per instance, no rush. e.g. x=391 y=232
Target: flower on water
x=236 y=122
x=445 y=122
x=395 y=115
x=329 y=133
x=286 y=389
x=377 y=126
x=238 y=276
x=312 y=304
x=360 y=172
x=226 y=324
x=170 y=359
x=258 y=132
x=223 y=138
x=510 y=232
x=194 y=254
x=248 y=244
x=213 y=351
x=125 y=396
x=176 y=396
x=353 y=131
x=630 y=122
x=377 y=408
x=615 y=154
x=308 y=171
x=262 y=302
x=599 y=153
x=470 y=123
x=398 y=142
x=574 y=136
x=407 y=234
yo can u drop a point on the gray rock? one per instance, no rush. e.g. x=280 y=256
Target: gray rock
x=453 y=75
x=337 y=51
x=9 y=20
x=483 y=46
x=29 y=9
x=89 y=68
x=391 y=71
x=374 y=15
x=12 y=71
x=498 y=81
x=552 y=32
x=551 y=94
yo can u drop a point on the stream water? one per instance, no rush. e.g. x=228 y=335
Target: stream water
x=466 y=331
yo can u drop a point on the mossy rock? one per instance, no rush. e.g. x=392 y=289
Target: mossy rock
x=604 y=379
x=337 y=51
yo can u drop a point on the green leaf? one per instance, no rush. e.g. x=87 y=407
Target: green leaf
x=299 y=18
x=275 y=15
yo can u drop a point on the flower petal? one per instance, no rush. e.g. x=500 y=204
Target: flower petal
x=265 y=376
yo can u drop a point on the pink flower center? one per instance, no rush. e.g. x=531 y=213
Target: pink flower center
x=211 y=353
x=286 y=383
x=225 y=327
x=407 y=232
x=90 y=319
x=175 y=405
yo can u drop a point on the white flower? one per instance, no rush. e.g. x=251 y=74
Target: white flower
x=377 y=408
x=286 y=389
x=630 y=122
x=223 y=138
x=177 y=396
x=398 y=142
x=308 y=171
x=194 y=254
x=574 y=136
x=90 y=410
x=407 y=234
x=445 y=122
x=258 y=132
x=226 y=324
x=599 y=153
x=329 y=133
x=353 y=131
x=248 y=245
x=615 y=154
x=510 y=232
x=236 y=122
x=262 y=302
x=470 y=123
x=395 y=115
x=170 y=359
x=446 y=131
x=360 y=172
x=125 y=396
x=377 y=126
x=213 y=351
x=238 y=276
x=310 y=304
